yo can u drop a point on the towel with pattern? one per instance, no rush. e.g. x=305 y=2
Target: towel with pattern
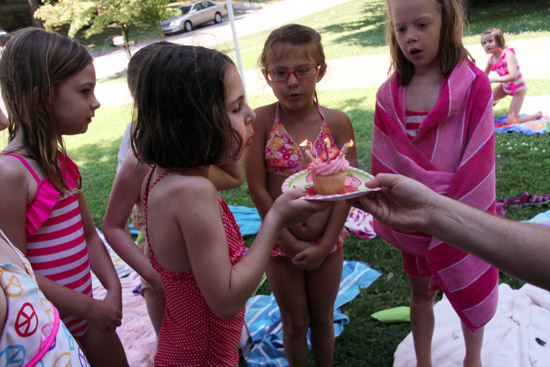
x=453 y=153
x=532 y=127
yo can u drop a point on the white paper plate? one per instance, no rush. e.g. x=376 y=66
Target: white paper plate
x=355 y=185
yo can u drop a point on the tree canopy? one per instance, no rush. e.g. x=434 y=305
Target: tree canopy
x=93 y=16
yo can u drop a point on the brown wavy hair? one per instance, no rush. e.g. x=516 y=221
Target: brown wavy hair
x=497 y=35
x=181 y=116
x=451 y=49
x=33 y=63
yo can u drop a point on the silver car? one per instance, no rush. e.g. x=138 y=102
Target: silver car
x=194 y=15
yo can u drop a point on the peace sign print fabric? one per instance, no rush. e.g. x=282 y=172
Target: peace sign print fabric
x=33 y=332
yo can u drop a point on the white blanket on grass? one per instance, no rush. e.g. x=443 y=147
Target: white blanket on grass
x=517 y=336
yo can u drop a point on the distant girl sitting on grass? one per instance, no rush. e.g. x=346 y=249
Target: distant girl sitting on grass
x=511 y=83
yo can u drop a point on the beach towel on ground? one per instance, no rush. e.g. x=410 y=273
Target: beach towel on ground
x=247 y=219
x=360 y=223
x=453 y=154
x=517 y=336
x=531 y=105
x=532 y=127
x=264 y=319
x=542 y=219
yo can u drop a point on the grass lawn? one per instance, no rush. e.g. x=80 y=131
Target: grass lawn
x=522 y=162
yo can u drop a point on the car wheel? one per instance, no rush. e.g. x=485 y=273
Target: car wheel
x=217 y=18
x=188 y=26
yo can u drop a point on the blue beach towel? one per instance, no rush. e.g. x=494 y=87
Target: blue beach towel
x=264 y=319
x=542 y=219
x=247 y=219
x=532 y=127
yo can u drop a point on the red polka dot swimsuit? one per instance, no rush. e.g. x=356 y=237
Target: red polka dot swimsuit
x=191 y=335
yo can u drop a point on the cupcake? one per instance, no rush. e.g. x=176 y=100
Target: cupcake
x=329 y=169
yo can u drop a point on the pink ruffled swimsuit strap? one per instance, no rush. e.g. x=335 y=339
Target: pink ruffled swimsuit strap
x=283 y=155
x=45 y=199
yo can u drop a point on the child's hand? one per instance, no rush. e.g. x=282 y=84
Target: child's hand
x=297 y=247
x=104 y=315
x=310 y=258
x=290 y=209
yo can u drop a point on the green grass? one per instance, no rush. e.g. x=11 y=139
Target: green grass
x=351 y=29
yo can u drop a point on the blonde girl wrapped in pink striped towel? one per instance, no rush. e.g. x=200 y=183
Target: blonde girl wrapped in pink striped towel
x=434 y=123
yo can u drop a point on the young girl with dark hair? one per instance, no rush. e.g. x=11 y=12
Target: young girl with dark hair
x=192 y=116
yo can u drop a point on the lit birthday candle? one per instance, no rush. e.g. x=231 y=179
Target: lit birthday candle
x=345 y=148
x=308 y=149
x=327 y=147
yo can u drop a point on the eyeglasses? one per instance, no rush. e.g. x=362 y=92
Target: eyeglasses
x=304 y=72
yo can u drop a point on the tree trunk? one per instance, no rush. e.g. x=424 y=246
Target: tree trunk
x=160 y=32
x=125 y=38
x=33 y=5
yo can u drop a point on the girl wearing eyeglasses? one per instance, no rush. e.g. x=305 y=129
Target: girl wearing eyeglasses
x=306 y=265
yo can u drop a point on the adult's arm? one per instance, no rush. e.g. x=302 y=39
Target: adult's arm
x=519 y=249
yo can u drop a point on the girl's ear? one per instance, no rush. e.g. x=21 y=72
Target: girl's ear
x=321 y=72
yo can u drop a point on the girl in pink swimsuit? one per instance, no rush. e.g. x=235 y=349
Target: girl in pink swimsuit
x=305 y=269
x=48 y=86
x=193 y=116
x=510 y=81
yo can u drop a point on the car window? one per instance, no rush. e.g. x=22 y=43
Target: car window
x=185 y=9
x=206 y=4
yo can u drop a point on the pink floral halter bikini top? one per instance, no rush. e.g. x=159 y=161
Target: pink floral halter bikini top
x=283 y=156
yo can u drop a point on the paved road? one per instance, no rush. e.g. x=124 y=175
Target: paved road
x=341 y=73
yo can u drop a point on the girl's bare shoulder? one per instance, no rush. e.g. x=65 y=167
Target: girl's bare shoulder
x=265 y=115
x=13 y=170
x=337 y=119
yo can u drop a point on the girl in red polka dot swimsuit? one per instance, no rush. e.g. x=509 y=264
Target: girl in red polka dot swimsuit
x=192 y=115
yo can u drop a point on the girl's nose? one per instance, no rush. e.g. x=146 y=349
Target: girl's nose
x=411 y=36
x=95 y=103
x=292 y=79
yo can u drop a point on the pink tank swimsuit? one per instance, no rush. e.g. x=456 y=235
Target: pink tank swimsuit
x=56 y=245
x=190 y=334
x=501 y=68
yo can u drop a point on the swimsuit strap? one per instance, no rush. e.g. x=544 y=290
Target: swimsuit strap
x=148 y=190
x=146 y=199
x=278 y=113
x=25 y=163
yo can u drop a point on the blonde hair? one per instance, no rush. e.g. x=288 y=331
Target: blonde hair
x=451 y=49
x=33 y=63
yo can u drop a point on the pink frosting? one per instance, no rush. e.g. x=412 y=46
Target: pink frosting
x=328 y=168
